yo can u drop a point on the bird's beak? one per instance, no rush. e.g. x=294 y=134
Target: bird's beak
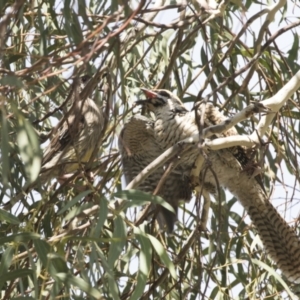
x=149 y=94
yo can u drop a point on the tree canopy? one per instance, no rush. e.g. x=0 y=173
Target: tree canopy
x=69 y=240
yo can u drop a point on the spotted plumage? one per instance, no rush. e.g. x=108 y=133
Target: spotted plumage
x=75 y=137
x=174 y=123
x=138 y=148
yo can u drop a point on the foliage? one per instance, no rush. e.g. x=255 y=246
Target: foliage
x=68 y=241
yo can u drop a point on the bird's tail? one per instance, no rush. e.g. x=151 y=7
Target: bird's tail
x=166 y=219
x=280 y=240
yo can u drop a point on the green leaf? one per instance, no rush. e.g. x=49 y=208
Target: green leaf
x=160 y=250
x=82 y=12
x=29 y=147
x=57 y=264
x=4 y=148
x=291 y=114
x=293 y=53
x=104 y=263
x=139 y=198
x=271 y=272
x=144 y=263
x=71 y=203
x=11 y=80
x=8 y=217
x=77 y=210
x=117 y=242
x=6 y=260
x=113 y=288
x=103 y=210
x=42 y=248
x=19 y=237
x=24 y=298
x=72 y=24
x=43 y=32
x=84 y=286
x=14 y=275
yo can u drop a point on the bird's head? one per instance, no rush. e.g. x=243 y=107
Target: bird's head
x=158 y=100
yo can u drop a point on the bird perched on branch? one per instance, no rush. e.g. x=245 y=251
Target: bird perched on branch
x=73 y=141
x=175 y=123
x=75 y=138
x=138 y=148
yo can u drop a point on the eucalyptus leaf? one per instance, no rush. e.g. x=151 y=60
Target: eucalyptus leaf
x=78 y=282
x=144 y=263
x=29 y=147
x=160 y=250
x=138 y=198
x=8 y=217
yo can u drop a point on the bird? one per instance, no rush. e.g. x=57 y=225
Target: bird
x=75 y=138
x=175 y=123
x=73 y=141
x=138 y=148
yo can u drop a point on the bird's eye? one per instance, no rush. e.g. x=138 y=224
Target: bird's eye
x=85 y=78
x=164 y=94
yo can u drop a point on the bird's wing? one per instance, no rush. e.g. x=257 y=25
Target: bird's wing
x=212 y=117
x=138 y=148
x=74 y=138
x=63 y=136
x=68 y=126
